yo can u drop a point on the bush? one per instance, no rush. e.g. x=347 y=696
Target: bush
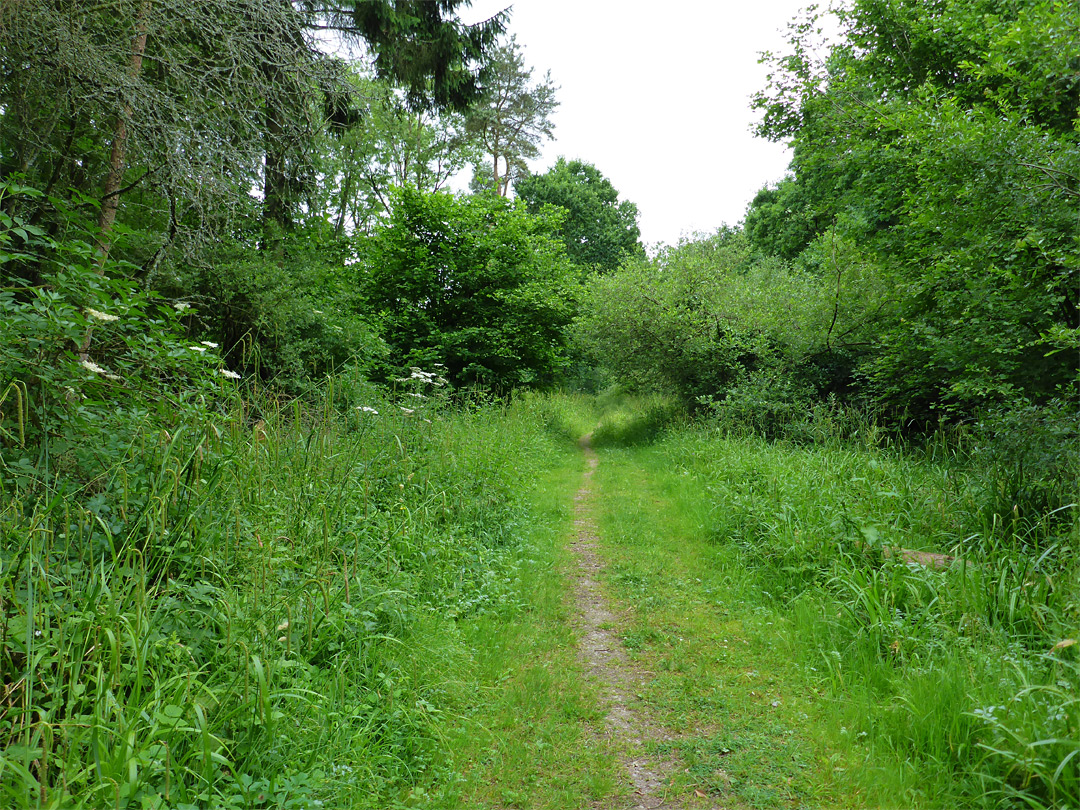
x=293 y=317
x=1031 y=457
x=474 y=283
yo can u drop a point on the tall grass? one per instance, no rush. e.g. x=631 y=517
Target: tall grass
x=954 y=684
x=256 y=610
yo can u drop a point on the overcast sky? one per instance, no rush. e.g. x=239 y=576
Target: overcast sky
x=657 y=96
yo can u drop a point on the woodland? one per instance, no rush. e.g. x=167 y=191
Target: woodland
x=284 y=422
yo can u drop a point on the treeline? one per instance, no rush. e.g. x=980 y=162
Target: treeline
x=922 y=258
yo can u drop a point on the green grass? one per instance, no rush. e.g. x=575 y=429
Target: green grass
x=522 y=737
x=745 y=723
x=755 y=575
x=326 y=606
x=286 y=604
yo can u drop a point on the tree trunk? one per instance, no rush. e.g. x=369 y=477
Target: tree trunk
x=110 y=198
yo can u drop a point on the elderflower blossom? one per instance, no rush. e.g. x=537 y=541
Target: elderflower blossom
x=101 y=316
x=90 y=365
x=232 y=375
x=209 y=344
x=197 y=348
x=423 y=376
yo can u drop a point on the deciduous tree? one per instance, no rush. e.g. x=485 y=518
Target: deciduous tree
x=599 y=230
x=475 y=283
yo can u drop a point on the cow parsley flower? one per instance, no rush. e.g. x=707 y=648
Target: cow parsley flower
x=101 y=316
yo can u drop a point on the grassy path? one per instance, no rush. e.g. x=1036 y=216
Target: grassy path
x=713 y=630
x=702 y=710
x=606 y=661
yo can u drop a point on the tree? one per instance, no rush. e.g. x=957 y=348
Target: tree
x=474 y=283
x=423 y=46
x=511 y=119
x=386 y=144
x=710 y=318
x=780 y=220
x=943 y=137
x=181 y=108
x=599 y=231
x=159 y=103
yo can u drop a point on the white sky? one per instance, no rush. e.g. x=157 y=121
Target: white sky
x=657 y=96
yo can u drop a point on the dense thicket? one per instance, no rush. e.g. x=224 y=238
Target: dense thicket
x=925 y=247
x=941 y=138
x=475 y=285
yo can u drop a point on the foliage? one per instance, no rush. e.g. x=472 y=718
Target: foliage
x=294 y=318
x=89 y=362
x=708 y=316
x=943 y=138
x=425 y=48
x=946 y=684
x=510 y=119
x=476 y=284
x=239 y=615
x=385 y=144
x=599 y=231
x=781 y=222
x=183 y=122
x=164 y=117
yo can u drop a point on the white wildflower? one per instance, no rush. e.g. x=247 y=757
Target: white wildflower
x=232 y=375
x=112 y=377
x=90 y=365
x=366 y=409
x=283 y=626
x=418 y=396
x=197 y=348
x=408 y=410
x=423 y=376
x=209 y=344
x=181 y=306
x=101 y=316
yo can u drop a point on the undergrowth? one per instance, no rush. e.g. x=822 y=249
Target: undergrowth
x=955 y=683
x=256 y=609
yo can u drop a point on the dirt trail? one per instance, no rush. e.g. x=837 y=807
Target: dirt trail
x=619 y=679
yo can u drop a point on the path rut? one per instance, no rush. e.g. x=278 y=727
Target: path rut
x=626 y=720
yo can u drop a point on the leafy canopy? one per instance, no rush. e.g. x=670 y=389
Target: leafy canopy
x=599 y=230
x=475 y=283
x=945 y=138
